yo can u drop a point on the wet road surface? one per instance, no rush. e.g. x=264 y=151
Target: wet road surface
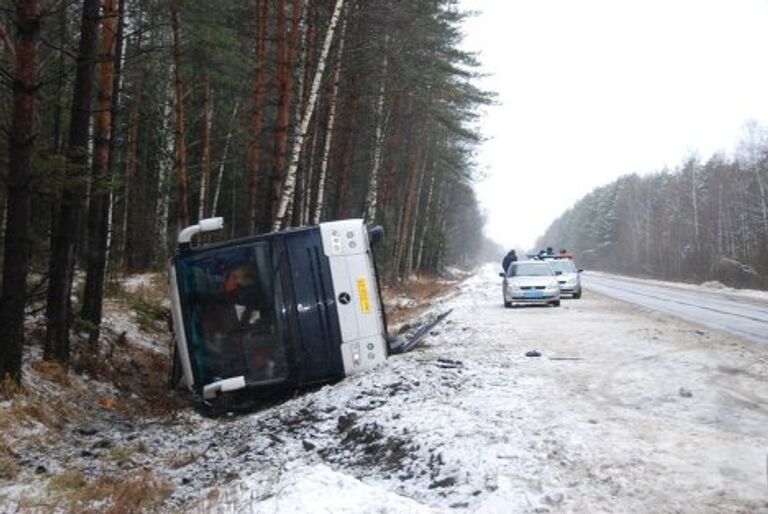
x=744 y=317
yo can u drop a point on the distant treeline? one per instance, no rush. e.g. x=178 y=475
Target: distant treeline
x=702 y=221
x=128 y=119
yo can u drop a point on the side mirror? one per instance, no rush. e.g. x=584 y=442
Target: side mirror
x=558 y=272
x=502 y=275
x=211 y=224
x=205 y=225
x=375 y=234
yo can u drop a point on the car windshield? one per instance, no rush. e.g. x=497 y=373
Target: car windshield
x=563 y=265
x=530 y=269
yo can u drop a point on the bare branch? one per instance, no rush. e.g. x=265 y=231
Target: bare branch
x=61 y=49
x=7 y=44
x=52 y=7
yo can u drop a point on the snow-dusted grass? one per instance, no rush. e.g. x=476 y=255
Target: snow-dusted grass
x=407 y=301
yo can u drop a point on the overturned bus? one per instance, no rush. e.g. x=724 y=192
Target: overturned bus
x=266 y=314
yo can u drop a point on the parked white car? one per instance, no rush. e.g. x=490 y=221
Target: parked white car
x=530 y=282
x=568 y=276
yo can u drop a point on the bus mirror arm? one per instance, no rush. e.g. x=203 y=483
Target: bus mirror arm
x=205 y=225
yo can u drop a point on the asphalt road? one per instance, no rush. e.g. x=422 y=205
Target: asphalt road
x=743 y=317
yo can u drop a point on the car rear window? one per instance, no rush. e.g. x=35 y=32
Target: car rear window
x=525 y=269
x=565 y=266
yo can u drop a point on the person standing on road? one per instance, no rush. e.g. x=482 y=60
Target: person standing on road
x=508 y=259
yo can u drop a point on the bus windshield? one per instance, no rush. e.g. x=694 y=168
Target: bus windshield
x=228 y=304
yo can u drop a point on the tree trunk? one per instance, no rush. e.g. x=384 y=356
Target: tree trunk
x=130 y=169
x=64 y=238
x=205 y=181
x=763 y=201
x=290 y=181
x=394 y=150
x=331 y=116
x=223 y=161
x=180 y=140
x=408 y=207
x=61 y=76
x=100 y=174
x=110 y=210
x=371 y=198
x=21 y=140
x=301 y=85
x=347 y=150
x=427 y=217
x=254 y=149
x=306 y=199
x=285 y=94
x=409 y=256
x=164 y=185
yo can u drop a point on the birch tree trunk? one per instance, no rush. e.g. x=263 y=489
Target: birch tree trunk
x=329 y=130
x=309 y=178
x=763 y=201
x=290 y=180
x=21 y=140
x=163 y=184
x=223 y=161
x=371 y=199
x=427 y=218
x=179 y=138
x=695 y=200
x=409 y=262
x=205 y=181
x=300 y=70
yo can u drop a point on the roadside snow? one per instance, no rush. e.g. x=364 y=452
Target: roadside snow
x=306 y=489
x=467 y=423
x=122 y=323
x=138 y=281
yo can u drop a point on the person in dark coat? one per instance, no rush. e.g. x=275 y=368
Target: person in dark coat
x=508 y=259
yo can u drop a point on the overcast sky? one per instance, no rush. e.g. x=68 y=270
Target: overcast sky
x=593 y=89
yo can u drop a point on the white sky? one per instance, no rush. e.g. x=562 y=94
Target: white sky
x=593 y=89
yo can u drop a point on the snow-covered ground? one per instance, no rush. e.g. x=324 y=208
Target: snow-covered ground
x=623 y=411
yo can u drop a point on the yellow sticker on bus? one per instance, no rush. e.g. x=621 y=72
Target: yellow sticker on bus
x=362 y=291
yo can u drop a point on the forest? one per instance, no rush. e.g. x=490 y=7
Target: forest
x=703 y=221
x=126 y=120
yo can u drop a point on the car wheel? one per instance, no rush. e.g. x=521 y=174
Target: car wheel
x=508 y=304
x=556 y=303
x=576 y=296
